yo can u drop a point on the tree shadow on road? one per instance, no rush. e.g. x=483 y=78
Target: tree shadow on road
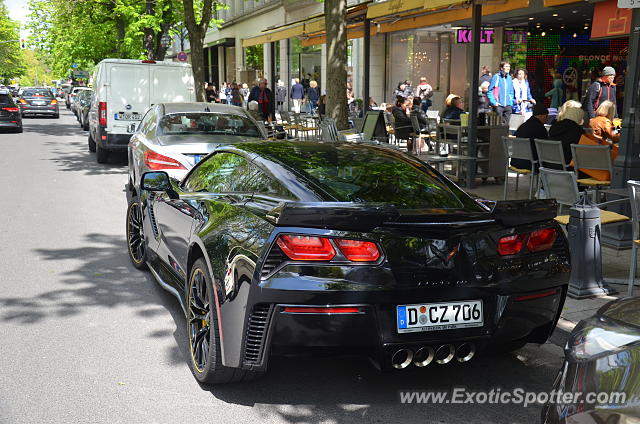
x=328 y=390
x=79 y=159
x=102 y=278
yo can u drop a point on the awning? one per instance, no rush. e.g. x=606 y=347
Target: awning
x=357 y=31
x=303 y=27
x=425 y=20
x=392 y=7
x=555 y=3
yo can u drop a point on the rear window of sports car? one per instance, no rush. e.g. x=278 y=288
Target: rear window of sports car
x=356 y=173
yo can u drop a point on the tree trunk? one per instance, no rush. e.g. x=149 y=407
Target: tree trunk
x=197 y=32
x=149 y=33
x=336 y=17
x=197 y=63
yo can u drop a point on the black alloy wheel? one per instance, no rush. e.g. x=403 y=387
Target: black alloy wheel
x=203 y=332
x=136 y=243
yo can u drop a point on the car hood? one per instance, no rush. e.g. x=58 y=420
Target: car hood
x=625 y=310
x=202 y=141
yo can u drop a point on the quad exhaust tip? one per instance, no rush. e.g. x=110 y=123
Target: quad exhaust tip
x=402 y=359
x=425 y=355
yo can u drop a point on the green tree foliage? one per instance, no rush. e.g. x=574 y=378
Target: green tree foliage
x=10 y=55
x=86 y=31
x=37 y=72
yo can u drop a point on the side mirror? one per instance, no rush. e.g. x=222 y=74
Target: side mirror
x=158 y=181
x=132 y=128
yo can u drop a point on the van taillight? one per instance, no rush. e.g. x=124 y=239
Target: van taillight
x=102 y=114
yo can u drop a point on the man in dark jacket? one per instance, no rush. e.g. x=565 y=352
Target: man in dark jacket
x=532 y=128
x=417 y=111
x=601 y=90
x=265 y=99
x=455 y=110
x=297 y=94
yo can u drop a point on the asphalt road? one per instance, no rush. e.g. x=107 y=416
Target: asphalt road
x=86 y=338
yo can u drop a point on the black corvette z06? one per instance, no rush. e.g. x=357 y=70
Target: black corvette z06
x=274 y=247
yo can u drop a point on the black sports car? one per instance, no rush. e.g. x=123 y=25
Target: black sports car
x=272 y=247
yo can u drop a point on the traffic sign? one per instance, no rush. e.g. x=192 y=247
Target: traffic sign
x=182 y=56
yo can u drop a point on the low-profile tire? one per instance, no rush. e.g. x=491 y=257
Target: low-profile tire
x=136 y=242
x=56 y=116
x=203 y=334
x=91 y=142
x=102 y=155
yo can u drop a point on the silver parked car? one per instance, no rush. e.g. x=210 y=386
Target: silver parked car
x=173 y=137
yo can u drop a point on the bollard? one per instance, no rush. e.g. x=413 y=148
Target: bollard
x=586 y=257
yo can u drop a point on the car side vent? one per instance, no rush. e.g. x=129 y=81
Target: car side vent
x=256 y=333
x=275 y=258
x=154 y=224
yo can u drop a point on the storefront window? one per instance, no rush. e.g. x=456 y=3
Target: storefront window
x=413 y=54
x=305 y=62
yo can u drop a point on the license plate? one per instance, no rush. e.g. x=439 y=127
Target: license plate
x=439 y=316
x=127 y=116
x=39 y=103
x=196 y=159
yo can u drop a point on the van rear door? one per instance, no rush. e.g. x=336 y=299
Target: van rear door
x=171 y=84
x=128 y=96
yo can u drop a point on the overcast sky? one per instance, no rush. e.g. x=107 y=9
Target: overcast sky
x=18 y=11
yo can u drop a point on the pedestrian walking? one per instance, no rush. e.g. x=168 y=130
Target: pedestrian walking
x=600 y=91
x=524 y=101
x=313 y=94
x=483 y=100
x=486 y=75
x=501 y=94
x=245 y=93
x=211 y=94
x=236 y=96
x=297 y=94
x=222 y=96
x=281 y=95
x=556 y=94
x=424 y=91
x=265 y=99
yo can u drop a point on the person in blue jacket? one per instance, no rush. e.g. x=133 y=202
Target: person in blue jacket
x=501 y=94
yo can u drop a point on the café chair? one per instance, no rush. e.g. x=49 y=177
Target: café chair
x=550 y=153
x=518 y=148
x=562 y=186
x=592 y=157
x=634 y=194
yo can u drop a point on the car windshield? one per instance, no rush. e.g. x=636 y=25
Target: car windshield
x=207 y=123
x=44 y=93
x=366 y=173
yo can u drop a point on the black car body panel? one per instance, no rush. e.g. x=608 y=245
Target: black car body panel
x=10 y=116
x=425 y=255
x=602 y=356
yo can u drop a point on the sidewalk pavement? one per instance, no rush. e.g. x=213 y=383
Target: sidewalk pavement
x=615 y=266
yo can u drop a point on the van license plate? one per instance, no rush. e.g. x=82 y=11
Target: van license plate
x=127 y=116
x=439 y=316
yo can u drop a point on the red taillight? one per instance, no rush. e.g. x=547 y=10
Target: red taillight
x=102 y=114
x=358 y=251
x=542 y=239
x=157 y=161
x=10 y=109
x=321 y=310
x=511 y=245
x=306 y=248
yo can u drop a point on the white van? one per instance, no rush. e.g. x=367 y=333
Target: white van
x=124 y=90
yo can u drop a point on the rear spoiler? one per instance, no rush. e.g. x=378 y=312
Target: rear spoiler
x=519 y=212
x=345 y=216
x=365 y=217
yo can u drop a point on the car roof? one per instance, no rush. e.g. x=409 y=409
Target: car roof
x=201 y=107
x=4 y=91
